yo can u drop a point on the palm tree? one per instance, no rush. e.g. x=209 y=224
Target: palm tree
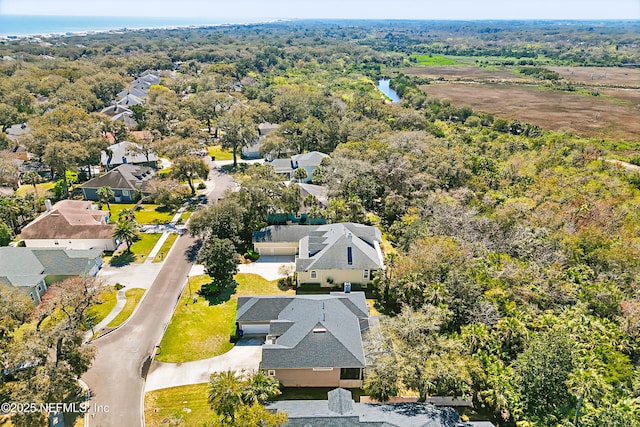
x=300 y=174
x=225 y=394
x=104 y=195
x=127 y=214
x=34 y=179
x=126 y=231
x=259 y=388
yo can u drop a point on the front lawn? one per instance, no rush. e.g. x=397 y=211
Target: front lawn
x=106 y=303
x=133 y=298
x=219 y=153
x=166 y=246
x=146 y=214
x=139 y=250
x=144 y=245
x=201 y=330
x=189 y=403
x=43 y=188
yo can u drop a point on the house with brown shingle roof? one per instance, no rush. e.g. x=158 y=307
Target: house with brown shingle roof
x=71 y=224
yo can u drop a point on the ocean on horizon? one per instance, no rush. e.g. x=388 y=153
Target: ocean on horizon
x=32 y=25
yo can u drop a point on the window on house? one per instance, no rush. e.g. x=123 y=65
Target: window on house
x=38 y=288
x=365 y=274
x=349 y=373
x=271 y=373
x=314 y=274
x=349 y=255
x=125 y=193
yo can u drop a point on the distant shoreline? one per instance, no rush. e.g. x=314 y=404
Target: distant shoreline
x=18 y=27
x=15 y=27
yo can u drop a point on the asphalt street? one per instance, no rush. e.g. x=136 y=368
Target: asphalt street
x=117 y=377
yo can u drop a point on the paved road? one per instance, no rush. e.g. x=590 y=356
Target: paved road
x=116 y=378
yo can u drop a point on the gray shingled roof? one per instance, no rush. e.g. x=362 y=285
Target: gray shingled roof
x=124 y=177
x=327 y=248
x=129 y=100
x=27 y=266
x=57 y=262
x=266 y=128
x=320 y=192
x=312 y=159
x=127 y=150
x=132 y=91
x=283 y=233
x=341 y=410
x=322 y=330
x=20 y=267
x=115 y=109
x=281 y=165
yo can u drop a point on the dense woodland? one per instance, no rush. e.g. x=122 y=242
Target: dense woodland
x=513 y=252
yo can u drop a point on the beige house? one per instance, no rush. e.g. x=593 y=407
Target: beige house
x=311 y=340
x=70 y=224
x=328 y=255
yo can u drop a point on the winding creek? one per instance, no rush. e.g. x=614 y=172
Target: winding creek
x=383 y=86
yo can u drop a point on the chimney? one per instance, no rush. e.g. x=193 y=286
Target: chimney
x=47 y=205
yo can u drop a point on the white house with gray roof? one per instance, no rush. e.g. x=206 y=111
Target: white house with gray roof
x=311 y=340
x=307 y=161
x=328 y=255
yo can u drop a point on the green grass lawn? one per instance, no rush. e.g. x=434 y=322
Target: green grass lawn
x=185 y=216
x=189 y=403
x=202 y=330
x=23 y=190
x=147 y=214
x=216 y=150
x=433 y=60
x=166 y=246
x=139 y=250
x=107 y=302
x=144 y=245
x=133 y=298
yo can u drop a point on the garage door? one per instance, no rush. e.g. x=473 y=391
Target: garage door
x=261 y=329
x=271 y=251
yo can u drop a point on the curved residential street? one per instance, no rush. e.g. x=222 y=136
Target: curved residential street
x=117 y=377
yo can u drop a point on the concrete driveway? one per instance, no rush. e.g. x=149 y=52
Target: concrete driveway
x=246 y=355
x=269 y=267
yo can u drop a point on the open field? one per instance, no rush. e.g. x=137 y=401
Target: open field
x=467 y=73
x=504 y=93
x=601 y=76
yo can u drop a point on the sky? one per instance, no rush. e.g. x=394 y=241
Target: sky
x=332 y=9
